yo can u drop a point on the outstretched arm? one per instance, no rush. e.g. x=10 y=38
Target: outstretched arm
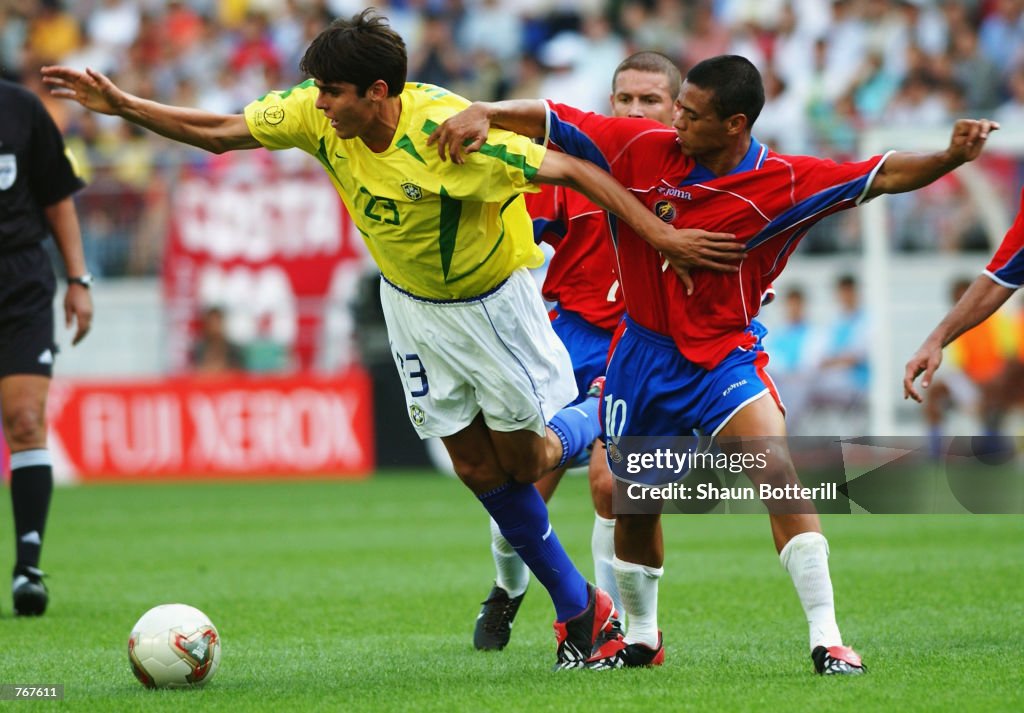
x=981 y=300
x=907 y=171
x=683 y=249
x=213 y=132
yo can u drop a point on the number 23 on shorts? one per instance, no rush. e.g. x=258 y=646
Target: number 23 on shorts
x=415 y=374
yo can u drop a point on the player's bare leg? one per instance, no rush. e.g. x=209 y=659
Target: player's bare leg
x=802 y=549
x=23 y=406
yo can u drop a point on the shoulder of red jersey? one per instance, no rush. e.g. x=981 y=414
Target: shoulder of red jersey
x=604 y=140
x=1007 y=265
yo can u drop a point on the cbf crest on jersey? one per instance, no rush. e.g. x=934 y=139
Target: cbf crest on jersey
x=8 y=170
x=412 y=191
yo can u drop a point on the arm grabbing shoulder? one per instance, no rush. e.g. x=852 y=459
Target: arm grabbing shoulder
x=466 y=131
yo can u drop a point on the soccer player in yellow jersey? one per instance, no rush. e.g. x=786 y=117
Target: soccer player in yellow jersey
x=481 y=364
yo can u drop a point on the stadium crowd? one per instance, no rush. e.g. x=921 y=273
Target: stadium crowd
x=832 y=68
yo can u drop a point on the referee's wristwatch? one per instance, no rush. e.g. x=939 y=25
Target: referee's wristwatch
x=83 y=280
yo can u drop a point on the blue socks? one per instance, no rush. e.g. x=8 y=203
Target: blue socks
x=576 y=427
x=522 y=517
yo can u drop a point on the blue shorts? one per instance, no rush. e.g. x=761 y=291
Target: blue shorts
x=587 y=346
x=653 y=390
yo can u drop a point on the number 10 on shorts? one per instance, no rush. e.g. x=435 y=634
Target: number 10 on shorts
x=614 y=417
x=415 y=374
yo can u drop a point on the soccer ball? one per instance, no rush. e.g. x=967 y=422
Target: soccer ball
x=174 y=646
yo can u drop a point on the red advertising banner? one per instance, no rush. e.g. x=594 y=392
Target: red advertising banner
x=192 y=428
x=265 y=237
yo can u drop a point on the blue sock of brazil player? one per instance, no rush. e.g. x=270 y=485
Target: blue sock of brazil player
x=31 y=489
x=522 y=516
x=576 y=427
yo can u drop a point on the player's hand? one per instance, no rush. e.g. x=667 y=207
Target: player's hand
x=969 y=137
x=925 y=361
x=462 y=133
x=78 y=309
x=90 y=88
x=690 y=248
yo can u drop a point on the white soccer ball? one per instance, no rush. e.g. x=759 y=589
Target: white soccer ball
x=174 y=646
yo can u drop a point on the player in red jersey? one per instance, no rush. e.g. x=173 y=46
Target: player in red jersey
x=583 y=282
x=695 y=341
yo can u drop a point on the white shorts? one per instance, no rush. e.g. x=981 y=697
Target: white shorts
x=495 y=354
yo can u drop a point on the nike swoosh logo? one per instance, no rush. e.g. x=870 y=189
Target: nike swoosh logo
x=338 y=155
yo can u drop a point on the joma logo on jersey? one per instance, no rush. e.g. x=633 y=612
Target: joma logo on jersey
x=665 y=210
x=412 y=191
x=674 y=193
x=732 y=387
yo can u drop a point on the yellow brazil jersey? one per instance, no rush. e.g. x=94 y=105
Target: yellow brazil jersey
x=436 y=229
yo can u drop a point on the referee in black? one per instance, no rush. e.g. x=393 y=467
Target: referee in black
x=37 y=180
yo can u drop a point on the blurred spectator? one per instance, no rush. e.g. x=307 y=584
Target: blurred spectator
x=840 y=382
x=1011 y=112
x=436 y=59
x=13 y=35
x=1001 y=34
x=782 y=124
x=213 y=353
x=494 y=28
x=254 y=52
x=917 y=103
x=53 y=33
x=973 y=71
x=792 y=52
x=656 y=28
x=114 y=24
x=703 y=36
x=873 y=87
x=564 y=80
x=795 y=347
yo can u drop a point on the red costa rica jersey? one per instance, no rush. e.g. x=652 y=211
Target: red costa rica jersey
x=581 y=276
x=769 y=202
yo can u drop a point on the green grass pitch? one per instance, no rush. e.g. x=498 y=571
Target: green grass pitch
x=361 y=597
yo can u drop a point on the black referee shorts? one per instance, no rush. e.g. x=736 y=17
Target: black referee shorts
x=27 y=288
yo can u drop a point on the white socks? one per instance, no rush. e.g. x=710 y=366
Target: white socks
x=638 y=586
x=602 y=544
x=512 y=573
x=805 y=557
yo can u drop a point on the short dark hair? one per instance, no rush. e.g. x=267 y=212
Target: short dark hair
x=358 y=50
x=847 y=280
x=655 y=63
x=735 y=83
